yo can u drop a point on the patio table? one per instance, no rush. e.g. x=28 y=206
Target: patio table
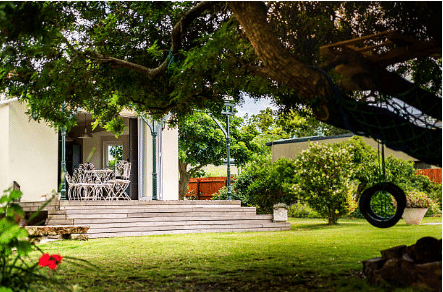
x=103 y=187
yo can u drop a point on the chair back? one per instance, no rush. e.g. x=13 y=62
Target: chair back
x=123 y=169
x=68 y=178
x=81 y=174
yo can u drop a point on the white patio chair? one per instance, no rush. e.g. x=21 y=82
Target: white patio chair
x=121 y=181
x=87 y=183
x=72 y=187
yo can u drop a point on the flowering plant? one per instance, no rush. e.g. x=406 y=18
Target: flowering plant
x=17 y=271
x=50 y=261
x=416 y=199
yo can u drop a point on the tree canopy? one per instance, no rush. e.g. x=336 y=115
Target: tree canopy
x=202 y=142
x=158 y=57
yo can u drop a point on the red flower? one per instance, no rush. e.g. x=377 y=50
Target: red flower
x=50 y=261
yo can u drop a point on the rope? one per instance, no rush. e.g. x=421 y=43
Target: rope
x=170 y=59
x=403 y=133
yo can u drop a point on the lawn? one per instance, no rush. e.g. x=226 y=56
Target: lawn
x=312 y=256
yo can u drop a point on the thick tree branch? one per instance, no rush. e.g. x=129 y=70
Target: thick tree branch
x=176 y=37
x=286 y=69
x=395 y=131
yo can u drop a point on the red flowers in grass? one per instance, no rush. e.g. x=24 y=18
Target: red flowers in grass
x=50 y=261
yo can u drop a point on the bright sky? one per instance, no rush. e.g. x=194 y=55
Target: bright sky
x=251 y=107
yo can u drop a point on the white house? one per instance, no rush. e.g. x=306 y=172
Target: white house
x=30 y=153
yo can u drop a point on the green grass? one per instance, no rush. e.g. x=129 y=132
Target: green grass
x=312 y=256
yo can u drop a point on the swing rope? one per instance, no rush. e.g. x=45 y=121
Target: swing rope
x=388 y=119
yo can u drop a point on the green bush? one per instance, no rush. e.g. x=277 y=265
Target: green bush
x=324 y=174
x=416 y=199
x=263 y=184
x=17 y=271
x=302 y=210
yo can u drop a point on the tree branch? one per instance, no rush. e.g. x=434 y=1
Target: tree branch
x=176 y=38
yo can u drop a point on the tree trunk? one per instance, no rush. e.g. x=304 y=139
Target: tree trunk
x=184 y=180
x=335 y=108
x=285 y=68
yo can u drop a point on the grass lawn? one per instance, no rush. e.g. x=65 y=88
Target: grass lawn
x=312 y=256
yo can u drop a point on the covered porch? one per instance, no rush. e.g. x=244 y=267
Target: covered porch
x=150 y=150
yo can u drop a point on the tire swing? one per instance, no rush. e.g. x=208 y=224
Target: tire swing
x=385 y=216
x=378 y=208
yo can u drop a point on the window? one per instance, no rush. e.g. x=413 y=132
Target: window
x=113 y=152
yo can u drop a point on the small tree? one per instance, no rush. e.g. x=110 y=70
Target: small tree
x=324 y=174
x=264 y=183
x=201 y=142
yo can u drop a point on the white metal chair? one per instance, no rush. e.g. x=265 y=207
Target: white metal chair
x=121 y=181
x=87 y=183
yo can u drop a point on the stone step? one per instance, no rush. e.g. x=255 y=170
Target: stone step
x=55 y=230
x=192 y=223
x=149 y=203
x=131 y=220
x=114 y=210
x=60 y=222
x=56 y=216
x=149 y=215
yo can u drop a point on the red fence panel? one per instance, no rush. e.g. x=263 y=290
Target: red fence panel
x=203 y=188
x=433 y=173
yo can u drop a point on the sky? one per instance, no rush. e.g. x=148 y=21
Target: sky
x=251 y=107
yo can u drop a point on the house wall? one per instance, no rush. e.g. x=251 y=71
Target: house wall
x=170 y=163
x=5 y=182
x=291 y=150
x=33 y=154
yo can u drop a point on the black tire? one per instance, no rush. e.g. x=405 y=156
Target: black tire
x=368 y=213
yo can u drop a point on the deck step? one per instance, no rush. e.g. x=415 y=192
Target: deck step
x=137 y=218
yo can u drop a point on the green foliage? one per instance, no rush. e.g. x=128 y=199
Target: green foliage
x=324 y=180
x=264 y=184
x=302 y=210
x=416 y=199
x=17 y=272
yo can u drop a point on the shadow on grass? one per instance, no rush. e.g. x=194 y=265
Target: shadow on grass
x=321 y=225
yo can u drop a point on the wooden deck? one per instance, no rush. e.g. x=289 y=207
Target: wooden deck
x=138 y=218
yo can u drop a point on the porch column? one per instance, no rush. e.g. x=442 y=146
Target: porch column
x=133 y=158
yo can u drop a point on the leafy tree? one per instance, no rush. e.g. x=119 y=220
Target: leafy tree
x=163 y=56
x=324 y=180
x=264 y=183
x=201 y=142
x=268 y=126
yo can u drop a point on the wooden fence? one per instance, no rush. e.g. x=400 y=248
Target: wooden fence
x=433 y=173
x=203 y=188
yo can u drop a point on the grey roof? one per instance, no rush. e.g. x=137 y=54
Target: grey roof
x=304 y=139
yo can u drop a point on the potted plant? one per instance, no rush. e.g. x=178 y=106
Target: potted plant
x=417 y=204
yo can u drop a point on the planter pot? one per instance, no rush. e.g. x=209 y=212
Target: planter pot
x=280 y=214
x=414 y=215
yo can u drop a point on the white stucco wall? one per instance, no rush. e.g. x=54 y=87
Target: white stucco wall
x=5 y=182
x=32 y=158
x=170 y=163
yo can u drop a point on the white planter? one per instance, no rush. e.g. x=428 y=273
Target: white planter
x=414 y=215
x=280 y=214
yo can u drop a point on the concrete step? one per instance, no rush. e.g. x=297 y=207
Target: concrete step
x=132 y=220
x=60 y=222
x=115 y=210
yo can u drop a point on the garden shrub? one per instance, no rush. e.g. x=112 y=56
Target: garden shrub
x=17 y=271
x=302 y=210
x=324 y=173
x=263 y=184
